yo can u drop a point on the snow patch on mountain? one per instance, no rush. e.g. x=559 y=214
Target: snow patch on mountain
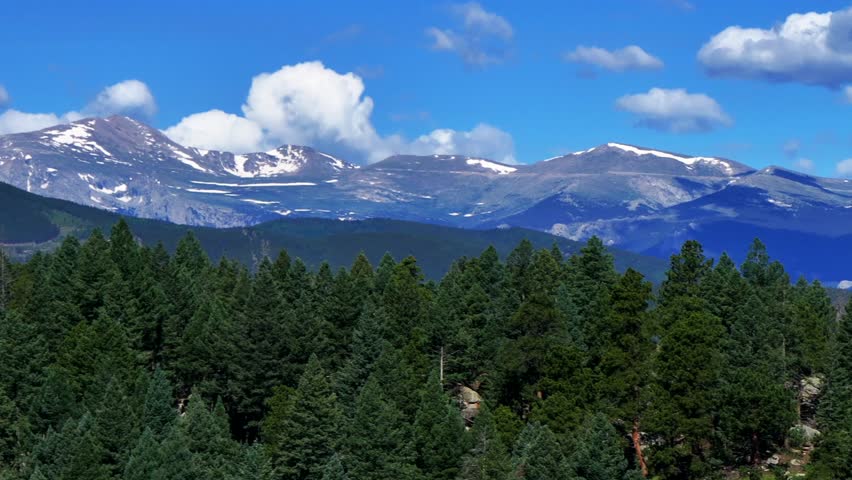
x=496 y=167
x=247 y=185
x=689 y=161
x=76 y=135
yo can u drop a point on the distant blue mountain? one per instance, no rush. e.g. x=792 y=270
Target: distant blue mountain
x=637 y=198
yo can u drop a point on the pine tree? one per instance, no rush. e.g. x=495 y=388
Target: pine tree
x=684 y=395
x=832 y=459
x=115 y=426
x=367 y=346
x=378 y=443
x=254 y=464
x=439 y=435
x=263 y=350
x=176 y=461
x=334 y=469
x=307 y=436
x=809 y=333
x=688 y=269
x=758 y=409
x=208 y=439
x=406 y=302
x=538 y=455
x=383 y=273
x=489 y=458
x=123 y=250
x=145 y=458
x=598 y=453
x=158 y=413
x=6 y=280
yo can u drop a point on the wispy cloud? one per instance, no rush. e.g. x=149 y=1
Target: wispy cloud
x=804 y=165
x=482 y=38
x=631 y=57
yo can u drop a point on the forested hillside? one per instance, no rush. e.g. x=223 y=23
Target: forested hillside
x=30 y=223
x=121 y=361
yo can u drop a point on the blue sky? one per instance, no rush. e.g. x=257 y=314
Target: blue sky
x=494 y=78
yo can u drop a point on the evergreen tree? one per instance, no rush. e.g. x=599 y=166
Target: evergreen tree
x=378 y=443
x=145 y=458
x=538 y=455
x=832 y=459
x=489 y=458
x=303 y=442
x=598 y=453
x=688 y=269
x=334 y=469
x=207 y=437
x=158 y=413
x=684 y=395
x=254 y=464
x=439 y=435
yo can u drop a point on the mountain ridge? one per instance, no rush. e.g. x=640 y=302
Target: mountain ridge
x=633 y=197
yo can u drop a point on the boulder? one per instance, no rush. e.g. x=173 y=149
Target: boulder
x=470 y=401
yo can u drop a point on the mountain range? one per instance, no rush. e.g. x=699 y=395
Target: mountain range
x=641 y=199
x=31 y=223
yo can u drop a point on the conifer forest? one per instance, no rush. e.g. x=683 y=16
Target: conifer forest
x=127 y=362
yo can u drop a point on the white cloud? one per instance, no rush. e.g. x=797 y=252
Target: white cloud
x=13 y=121
x=805 y=164
x=311 y=104
x=483 y=38
x=674 y=110
x=4 y=96
x=631 y=57
x=127 y=97
x=217 y=130
x=130 y=97
x=844 y=168
x=483 y=141
x=810 y=48
x=847 y=94
x=308 y=102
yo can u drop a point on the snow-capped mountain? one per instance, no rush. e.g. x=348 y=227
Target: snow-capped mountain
x=120 y=164
x=645 y=199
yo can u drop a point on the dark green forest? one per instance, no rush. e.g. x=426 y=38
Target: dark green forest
x=122 y=361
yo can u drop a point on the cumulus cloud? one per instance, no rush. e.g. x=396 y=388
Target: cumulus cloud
x=844 y=168
x=674 y=110
x=311 y=104
x=217 y=130
x=483 y=141
x=809 y=48
x=130 y=97
x=804 y=164
x=14 y=121
x=4 y=96
x=482 y=38
x=847 y=94
x=631 y=57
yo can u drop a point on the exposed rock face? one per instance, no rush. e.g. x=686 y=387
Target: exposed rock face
x=810 y=391
x=470 y=401
x=808 y=434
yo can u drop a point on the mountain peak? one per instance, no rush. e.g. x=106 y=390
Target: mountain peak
x=692 y=165
x=444 y=162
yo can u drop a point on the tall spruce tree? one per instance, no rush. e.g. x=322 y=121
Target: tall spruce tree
x=302 y=444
